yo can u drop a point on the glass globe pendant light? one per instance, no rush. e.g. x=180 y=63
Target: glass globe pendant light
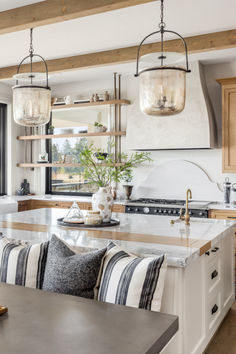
x=162 y=86
x=31 y=102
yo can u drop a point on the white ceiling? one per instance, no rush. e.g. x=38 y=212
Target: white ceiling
x=116 y=29
x=11 y=4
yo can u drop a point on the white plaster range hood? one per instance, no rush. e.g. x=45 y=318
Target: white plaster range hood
x=193 y=128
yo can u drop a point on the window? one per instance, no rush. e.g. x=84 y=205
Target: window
x=69 y=179
x=3 y=124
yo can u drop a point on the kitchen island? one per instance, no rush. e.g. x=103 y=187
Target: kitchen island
x=199 y=285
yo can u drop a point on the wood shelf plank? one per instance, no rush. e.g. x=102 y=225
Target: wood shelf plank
x=81 y=135
x=32 y=165
x=91 y=104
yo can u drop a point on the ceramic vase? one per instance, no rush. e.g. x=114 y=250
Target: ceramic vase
x=102 y=201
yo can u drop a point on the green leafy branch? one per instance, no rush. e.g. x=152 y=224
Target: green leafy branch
x=108 y=169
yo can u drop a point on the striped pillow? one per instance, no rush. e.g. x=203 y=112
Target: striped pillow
x=130 y=280
x=22 y=264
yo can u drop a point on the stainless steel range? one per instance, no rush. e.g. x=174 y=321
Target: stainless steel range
x=169 y=207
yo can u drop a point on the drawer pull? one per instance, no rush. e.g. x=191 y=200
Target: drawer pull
x=207 y=253
x=215 y=249
x=214 y=274
x=214 y=309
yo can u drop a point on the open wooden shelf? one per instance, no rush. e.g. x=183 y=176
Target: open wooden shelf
x=90 y=104
x=32 y=165
x=58 y=136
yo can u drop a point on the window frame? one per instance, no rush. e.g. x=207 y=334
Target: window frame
x=48 y=174
x=3 y=148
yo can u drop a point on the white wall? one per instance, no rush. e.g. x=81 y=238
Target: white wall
x=209 y=160
x=14 y=175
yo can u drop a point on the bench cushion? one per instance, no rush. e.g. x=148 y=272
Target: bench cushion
x=22 y=264
x=130 y=280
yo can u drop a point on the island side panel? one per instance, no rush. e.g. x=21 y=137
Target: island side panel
x=172 y=302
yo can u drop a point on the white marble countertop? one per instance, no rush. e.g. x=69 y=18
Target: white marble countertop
x=222 y=206
x=158 y=227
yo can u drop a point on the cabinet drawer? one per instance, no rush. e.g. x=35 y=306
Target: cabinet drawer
x=39 y=204
x=213 y=275
x=213 y=254
x=222 y=214
x=118 y=208
x=65 y=205
x=213 y=309
x=85 y=206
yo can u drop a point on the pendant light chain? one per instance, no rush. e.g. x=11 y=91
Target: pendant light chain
x=31 y=54
x=31 y=50
x=162 y=23
x=162 y=30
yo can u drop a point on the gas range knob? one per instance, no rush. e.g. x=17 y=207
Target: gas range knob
x=174 y=211
x=155 y=211
x=169 y=211
x=136 y=209
x=190 y=213
x=129 y=209
x=160 y=211
x=146 y=210
x=201 y=213
x=165 y=211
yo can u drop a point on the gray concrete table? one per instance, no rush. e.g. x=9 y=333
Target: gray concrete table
x=41 y=322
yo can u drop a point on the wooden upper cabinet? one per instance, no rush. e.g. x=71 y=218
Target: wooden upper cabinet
x=228 y=124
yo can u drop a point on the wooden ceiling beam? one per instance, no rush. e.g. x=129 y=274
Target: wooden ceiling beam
x=52 y=11
x=196 y=44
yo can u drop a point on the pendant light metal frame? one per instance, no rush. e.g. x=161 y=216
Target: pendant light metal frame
x=31 y=56
x=162 y=31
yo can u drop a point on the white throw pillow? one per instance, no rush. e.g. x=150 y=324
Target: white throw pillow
x=129 y=280
x=22 y=264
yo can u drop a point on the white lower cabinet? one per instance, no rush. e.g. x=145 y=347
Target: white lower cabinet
x=201 y=295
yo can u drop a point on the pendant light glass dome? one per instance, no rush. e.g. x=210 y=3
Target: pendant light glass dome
x=31 y=103
x=162 y=82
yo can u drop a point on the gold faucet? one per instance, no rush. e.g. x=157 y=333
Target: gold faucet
x=186 y=215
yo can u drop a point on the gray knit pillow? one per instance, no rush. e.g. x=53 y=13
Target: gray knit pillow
x=70 y=273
